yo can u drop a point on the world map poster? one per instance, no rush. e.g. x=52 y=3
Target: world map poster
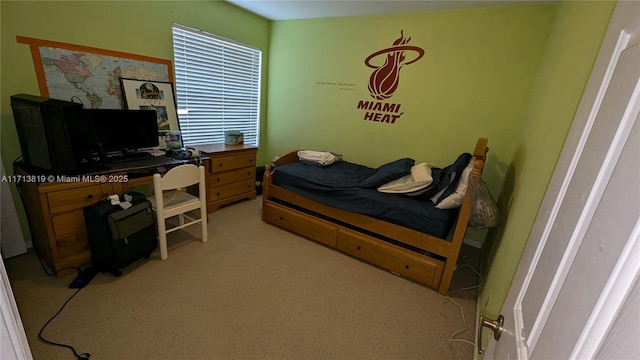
x=90 y=75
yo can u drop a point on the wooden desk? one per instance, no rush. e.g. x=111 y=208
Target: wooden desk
x=54 y=205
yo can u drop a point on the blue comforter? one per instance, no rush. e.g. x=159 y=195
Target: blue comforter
x=338 y=185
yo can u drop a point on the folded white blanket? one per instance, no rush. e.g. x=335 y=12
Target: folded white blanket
x=321 y=158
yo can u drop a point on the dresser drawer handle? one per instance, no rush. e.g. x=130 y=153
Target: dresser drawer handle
x=281 y=218
x=218 y=179
x=90 y=196
x=407 y=267
x=357 y=247
x=220 y=164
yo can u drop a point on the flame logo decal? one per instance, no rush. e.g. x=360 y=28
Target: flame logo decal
x=385 y=79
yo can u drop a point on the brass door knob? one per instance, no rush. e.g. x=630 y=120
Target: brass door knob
x=494 y=325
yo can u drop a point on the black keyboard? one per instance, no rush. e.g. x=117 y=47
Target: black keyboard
x=130 y=157
x=154 y=161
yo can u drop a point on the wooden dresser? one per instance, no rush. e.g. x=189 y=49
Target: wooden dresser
x=232 y=174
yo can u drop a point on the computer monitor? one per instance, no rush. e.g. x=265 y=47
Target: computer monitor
x=122 y=131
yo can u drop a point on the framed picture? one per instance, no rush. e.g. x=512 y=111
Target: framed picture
x=152 y=95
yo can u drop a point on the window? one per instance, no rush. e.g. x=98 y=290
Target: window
x=217 y=87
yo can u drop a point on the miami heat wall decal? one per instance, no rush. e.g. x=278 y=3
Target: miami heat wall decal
x=385 y=79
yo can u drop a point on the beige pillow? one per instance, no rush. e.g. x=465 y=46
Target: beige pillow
x=455 y=199
x=419 y=178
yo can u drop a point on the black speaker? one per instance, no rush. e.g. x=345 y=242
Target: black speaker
x=55 y=135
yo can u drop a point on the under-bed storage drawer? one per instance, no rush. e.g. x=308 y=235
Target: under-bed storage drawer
x=406 y=263
x=302 y=224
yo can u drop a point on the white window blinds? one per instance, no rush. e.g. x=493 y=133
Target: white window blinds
x=217 y=87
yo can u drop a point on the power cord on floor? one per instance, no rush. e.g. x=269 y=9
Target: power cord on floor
x=453 y=338
x=78 y=356
x=46 y=271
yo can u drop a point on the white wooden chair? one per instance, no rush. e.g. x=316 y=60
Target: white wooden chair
x=171 y=199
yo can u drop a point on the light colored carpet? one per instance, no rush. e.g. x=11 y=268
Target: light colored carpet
x=253 y=291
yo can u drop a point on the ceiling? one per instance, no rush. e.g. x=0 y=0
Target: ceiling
x=304 y=9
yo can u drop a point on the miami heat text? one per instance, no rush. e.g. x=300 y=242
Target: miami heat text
x=381 y=112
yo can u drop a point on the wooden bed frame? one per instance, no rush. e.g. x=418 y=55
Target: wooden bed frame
x=435 y=272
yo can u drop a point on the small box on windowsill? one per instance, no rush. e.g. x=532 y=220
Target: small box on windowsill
x=233 y=137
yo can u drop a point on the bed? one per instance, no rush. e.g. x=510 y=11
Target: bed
x=406 y=235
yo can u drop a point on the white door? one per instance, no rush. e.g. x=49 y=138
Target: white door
x=13 y=340
x=582 y=258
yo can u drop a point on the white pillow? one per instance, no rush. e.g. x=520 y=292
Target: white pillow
x=455 y=199
x=419 y=178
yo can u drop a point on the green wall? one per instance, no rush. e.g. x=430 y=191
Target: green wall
x=569 y=56
x=473 y=81
x=138 y=27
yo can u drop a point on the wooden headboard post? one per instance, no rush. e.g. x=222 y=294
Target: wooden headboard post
x=460 y=228
x=284 y=158
x=480 y=155
x=266 y=185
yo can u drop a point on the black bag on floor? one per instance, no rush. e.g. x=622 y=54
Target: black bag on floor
x=117 y=236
